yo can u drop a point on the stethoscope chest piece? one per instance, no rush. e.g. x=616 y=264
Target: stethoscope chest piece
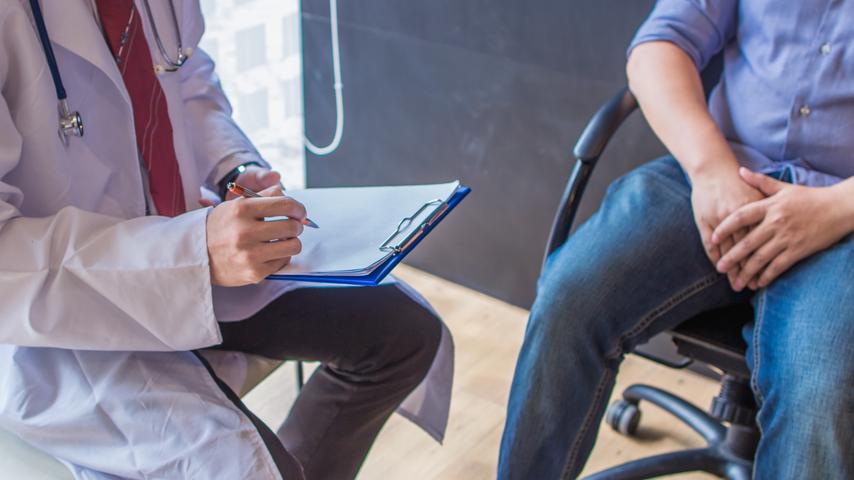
x=70 y=123
x=170 y=66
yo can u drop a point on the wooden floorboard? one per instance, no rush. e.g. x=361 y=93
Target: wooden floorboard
x=488 y=333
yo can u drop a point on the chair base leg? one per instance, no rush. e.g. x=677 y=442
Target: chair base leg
x=718 y=458
x=702 y=459
x=738 y=472
x=710 y=429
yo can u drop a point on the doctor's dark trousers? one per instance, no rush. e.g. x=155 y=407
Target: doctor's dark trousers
x=375 y=346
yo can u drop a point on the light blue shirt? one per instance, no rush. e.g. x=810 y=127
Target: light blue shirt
x=785 y=100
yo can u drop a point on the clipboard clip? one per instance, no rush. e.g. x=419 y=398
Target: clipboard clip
x=416 y=232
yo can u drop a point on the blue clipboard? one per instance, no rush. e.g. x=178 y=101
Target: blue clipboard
x=401 y=250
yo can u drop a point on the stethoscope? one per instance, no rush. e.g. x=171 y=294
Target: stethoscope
x=71 y=123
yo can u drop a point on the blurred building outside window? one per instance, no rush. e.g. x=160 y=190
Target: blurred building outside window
x=256 y=45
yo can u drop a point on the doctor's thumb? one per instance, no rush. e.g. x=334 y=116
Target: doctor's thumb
x=272 y=191
x=268 y=178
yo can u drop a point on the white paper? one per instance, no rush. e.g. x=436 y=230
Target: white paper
x=354 y=222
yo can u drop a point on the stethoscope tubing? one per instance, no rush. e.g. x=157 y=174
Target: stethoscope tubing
x=48 y=50
x=72 y=122
x=172 y=65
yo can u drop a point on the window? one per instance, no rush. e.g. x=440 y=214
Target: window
x=292 y=98
x=290 y=36
x=212 y=49
x=251 y=47
x=256 y=46
x=252 y=111
x=209 y=7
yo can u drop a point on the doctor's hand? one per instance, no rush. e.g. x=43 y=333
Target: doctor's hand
x=254 y=178
x=257 y=178
x=793 y=223
x=244 y=249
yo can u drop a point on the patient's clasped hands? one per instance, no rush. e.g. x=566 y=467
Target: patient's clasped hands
x=754 y=227
x=791 y=223
x=718 y=192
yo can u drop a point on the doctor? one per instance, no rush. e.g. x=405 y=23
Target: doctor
x=115 y=284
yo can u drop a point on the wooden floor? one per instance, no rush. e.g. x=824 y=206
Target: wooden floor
x=488 y=334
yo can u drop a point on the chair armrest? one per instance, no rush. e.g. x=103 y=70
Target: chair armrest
x=587 y=151
x=604 y=124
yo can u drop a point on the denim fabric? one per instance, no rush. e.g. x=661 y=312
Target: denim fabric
x=637 y=268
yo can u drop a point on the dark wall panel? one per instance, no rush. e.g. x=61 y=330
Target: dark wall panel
x=491 y=92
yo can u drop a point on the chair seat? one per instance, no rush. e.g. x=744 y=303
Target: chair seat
x=715 y=337
x=19 y=460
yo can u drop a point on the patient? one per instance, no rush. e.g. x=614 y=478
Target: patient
x=756 y=204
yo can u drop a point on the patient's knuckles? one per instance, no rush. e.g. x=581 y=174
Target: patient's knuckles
x=748 y=274
x=780 y=216
x=756 y=260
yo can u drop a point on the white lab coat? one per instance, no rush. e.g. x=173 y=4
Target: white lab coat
x=98 y=302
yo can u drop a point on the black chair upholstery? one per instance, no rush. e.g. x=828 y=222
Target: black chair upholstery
x=712 y=338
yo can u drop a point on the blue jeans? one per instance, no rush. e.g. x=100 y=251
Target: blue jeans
x=637 y=268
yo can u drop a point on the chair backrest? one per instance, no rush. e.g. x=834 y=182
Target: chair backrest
x=588 y=149
x=591 y=144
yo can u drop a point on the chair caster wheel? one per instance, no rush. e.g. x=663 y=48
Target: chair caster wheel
x=623 y=417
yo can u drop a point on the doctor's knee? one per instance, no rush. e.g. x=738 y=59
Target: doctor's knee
x=403 y=350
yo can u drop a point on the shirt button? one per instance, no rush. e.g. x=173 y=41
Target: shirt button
x=825 y=49
x=805 y=111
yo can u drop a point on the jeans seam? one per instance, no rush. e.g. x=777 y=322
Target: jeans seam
x=597 y=397
x=659 y=311
x=759 y=315
x=757 y=329
x=644 y=322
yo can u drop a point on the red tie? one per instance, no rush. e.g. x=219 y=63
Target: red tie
x=120 y=19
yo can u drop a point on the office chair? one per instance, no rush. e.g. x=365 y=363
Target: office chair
x=712 y=338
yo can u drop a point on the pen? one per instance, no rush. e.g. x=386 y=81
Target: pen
x=246 y=193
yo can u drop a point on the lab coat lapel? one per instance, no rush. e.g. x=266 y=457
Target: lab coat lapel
x=71 y=24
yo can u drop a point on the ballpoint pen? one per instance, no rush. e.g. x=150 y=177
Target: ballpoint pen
x=244 y=192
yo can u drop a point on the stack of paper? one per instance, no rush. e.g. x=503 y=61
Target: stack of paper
x=356 y=222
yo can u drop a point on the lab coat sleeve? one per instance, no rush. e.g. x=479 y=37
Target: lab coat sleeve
x=219 y=145
x=80 y=280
